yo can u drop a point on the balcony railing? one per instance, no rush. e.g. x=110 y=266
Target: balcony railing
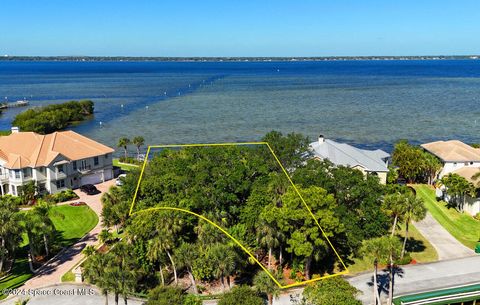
x=60 y=175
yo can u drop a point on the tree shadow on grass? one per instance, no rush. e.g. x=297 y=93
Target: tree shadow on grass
x=414 y=245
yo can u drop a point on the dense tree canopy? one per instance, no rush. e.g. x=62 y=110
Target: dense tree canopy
x=243 y=190
x=414 y=164
x=54 y=117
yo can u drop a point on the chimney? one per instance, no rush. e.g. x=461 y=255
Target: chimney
x=321 y=139
x=15 y=129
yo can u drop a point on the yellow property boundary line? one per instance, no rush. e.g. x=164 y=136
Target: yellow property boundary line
x=131 y=213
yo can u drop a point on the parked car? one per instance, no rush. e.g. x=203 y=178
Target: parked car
x=89 y=189
x=120 y=179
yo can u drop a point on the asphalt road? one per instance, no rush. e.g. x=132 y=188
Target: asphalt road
x=412 y=278
x=423 y=277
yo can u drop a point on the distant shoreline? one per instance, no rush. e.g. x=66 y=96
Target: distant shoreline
x=231 y=59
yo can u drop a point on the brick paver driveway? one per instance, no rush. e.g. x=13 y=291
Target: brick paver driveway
x=52 y=272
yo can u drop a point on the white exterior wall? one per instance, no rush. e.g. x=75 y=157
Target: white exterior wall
x=449 y=167
x=71 y=177
x=472 y=206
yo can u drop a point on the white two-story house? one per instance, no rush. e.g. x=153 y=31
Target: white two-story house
x=55 y=162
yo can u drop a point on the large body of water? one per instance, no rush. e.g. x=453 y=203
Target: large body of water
x=369 y=103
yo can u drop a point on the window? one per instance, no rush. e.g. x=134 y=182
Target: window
x=83 y=165
x=17 y=174
x=74 y=164
x=95 y=161
x=106 y=157
x=27 y=172
x=60 y=169
x=60 y=184
x=41 y=170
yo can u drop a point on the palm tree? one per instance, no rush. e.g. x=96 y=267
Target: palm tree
x=373 y=248
x=156 y=255
x=224 y=261
x=385 y=250
x=392 y=247
x=475 y=177
x=431 y=165
x=268 y=237
x=113 y=212
x=138 y=142
x=94 y=272
x=122 y=270
x=458 y=187
x=186 y=255
x=393 y=205
x=44 y=224
x=105 y=236
x=10 y=230
x=123 y=143
x=264 y=284
x=89 y=250
x=413 y=210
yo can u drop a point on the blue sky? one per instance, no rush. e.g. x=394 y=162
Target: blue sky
x=239 y=27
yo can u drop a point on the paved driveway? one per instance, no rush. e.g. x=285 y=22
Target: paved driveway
x=71 y=294
x=52 y=272
x=446 y=245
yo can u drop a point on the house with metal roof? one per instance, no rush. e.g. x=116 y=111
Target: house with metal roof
x=55 y=161
x=373 y=162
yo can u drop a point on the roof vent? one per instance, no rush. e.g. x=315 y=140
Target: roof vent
x=15 y=129
x=321 y=139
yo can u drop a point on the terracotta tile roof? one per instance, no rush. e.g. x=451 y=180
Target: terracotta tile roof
x=453 y=151
x=28 y=149
x=467 y=172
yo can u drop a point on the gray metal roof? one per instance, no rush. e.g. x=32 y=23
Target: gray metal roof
x=347 y=155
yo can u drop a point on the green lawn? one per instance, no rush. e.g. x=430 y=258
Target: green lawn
x=418 y=247
x=461 y=225
x=124 y=166
x=72 y=223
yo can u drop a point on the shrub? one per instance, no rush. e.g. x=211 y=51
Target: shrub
x=241 y=293
x=405 y=260
x=164 y=295
x=330 y=291
x=62 y=196
x=191 y=299
x=11 y=198
x=477 y=216
x=130 y=160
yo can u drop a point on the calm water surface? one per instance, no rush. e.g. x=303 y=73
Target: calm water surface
x=369 y=103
